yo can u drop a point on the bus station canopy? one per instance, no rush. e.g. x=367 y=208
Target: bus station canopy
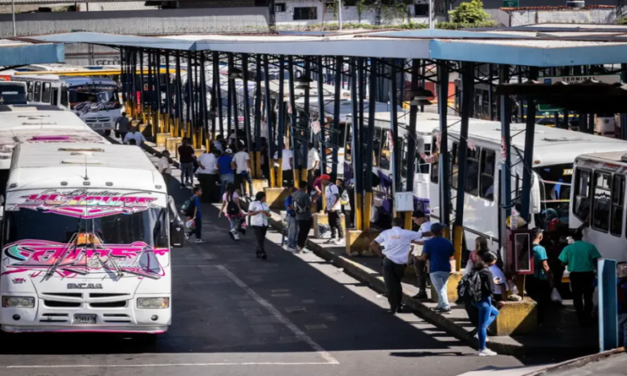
x=17 y=52
x=540 y=45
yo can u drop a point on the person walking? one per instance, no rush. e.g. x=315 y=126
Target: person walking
x=259 y=212
x=225 y=170
x=241 y=165
x=197 y=216
x=164 y=168
x=292 y=223
x=439 y=250
x=397 y=242
x=420 y=266
x=302 y=209
x=286 y=165
x=487 y=312
x=581 y=259
x=313 y=162
x=134 y=134
x=218 y=143
x=332 y=194
x=234 y=213
x=539 y=284
x=186 y=158
x=122 y=126
x=208 y=174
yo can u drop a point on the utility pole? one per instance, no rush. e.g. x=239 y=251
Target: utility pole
x=13 y=17
x=339 y=14
x=431 y=15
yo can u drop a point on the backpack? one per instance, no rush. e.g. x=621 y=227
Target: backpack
x=344 y=199
x=470 y=287
x=298 y=207
x=232 y=208
x=188 y=207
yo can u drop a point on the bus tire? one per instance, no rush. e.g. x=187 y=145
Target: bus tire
x=107 y=132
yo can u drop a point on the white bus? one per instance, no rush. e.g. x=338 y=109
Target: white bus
x=555 y=151
x=598 y=198
x=85 y=241
x=12 y=93
x=45 y=89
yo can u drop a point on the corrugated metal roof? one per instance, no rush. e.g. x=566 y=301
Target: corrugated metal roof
x=114 y=6
x=559 y=7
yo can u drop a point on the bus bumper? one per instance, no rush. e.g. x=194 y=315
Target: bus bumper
x=84 y=329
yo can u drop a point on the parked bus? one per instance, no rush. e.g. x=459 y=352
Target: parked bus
x=555 y=151
x=598 y=201
x=85 y=241
x=12 y=93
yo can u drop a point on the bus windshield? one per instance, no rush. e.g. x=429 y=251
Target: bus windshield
x=555 y=183
x=12 y=94
x=94 y=97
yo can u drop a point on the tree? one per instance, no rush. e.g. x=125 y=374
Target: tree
x=469 y=13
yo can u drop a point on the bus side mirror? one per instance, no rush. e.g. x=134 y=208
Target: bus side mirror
x=177 y=227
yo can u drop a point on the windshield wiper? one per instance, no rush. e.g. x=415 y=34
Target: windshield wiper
x=71 y=245
x=144 y=272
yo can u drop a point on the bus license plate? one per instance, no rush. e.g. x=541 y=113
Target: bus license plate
x=84 y=319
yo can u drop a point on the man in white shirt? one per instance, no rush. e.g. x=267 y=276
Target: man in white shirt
x=334 y=209
x=313 y=161
x=241 y=166
x=208 y=174
x=163 y=166
x=137 y=136
x=286 y=165
x=420 y=266
x=397 y=242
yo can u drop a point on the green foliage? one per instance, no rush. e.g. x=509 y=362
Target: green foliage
x=469 y=12
x=352 y=26
x=464 y=25
x=622 y=21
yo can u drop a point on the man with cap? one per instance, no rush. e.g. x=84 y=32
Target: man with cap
x=225 y=170
x=334 y=207
x=397 y=242
x=420 y=266
x=439 y=250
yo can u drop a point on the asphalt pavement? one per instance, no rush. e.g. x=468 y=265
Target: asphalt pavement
x=234 y=314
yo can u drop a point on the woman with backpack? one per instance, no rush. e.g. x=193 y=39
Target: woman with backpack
x=259 y=212
x=234 y=212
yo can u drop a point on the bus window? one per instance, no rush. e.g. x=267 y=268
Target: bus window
x=486 y=180
x=29 y=89
x=434 y=164
x=65 y=96
x=386 y=154
x=601 y=202
x=618 y=201
x=45 y=97
x=37 y=95
x=472 y=171
x=581 y=207
x=376 y=147
x=455 y=165
x=55 y=96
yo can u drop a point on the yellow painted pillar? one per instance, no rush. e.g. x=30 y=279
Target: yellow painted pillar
x=324 y=199
x=295 y=174
x=458 y=233
x=303 y=176
x=279 y=173
x=359 y=211
x=367 y=210
x=408 y=221
x=272 y=182
x=257 y=164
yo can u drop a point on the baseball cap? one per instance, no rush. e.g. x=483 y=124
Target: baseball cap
x=437 y=227
x=228 y=151
x=325 y=177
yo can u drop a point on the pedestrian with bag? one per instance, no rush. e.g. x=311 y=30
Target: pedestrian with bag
x=302 y=210
x=476 y=288
x=540 y=284
x=332 y=195
x=186 y=158
x=581 y=259
x=292 y=223
x=438 y=251
x=397 y=242
x=234 y=212
x=194 y=214
x=241 y=165
x=259 y=213
x=208 y=174
x=225 y=170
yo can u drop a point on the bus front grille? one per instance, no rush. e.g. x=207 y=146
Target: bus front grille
x=54 y=317
x=60 y=304
x=116 y=318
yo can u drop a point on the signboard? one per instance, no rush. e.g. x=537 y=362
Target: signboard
x=404 y=201
x=603 y=78
x=510 y=3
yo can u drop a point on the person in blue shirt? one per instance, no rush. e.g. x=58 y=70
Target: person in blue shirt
x=292 y=223
x=197 y=218
x=224 y=169
x=439 y=250
x=540 y=284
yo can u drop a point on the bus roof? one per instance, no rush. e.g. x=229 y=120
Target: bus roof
x=77 y=81
x=551 y=146
x=42 y=119
x=66 y=166
x=29 y=108
x=611 y=157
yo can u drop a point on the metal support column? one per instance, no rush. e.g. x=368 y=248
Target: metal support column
x=235 y=104
x=355 y=144
x=258 y=172
x=322 y=120
x=411 y=140
x=528 y=152
x=370 y=144
x=246 y=104
x=168 y=93
x=179 y=97
x=142 y=91
x=190 y=97
x=281 y=130
x=444 y=158
x=205 y=137
x=304 y=129
x=506 y=173
x=396 y=144
x=218 y=90
x=462 y=152
x=268 y=108
x=294 y=125
x=491 y=91
x=229 y=99
x=335 y=134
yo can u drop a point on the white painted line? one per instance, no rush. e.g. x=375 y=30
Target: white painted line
x=171 y=365
x=284 y=320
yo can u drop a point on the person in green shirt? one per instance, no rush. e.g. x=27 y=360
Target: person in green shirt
x=540 y=284
x=581 y=259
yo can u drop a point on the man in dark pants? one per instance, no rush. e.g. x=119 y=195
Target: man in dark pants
x=397 y=242
x=539 y=284
x=581 y=259
x=197 y=218
x=420 y=266
x=332 y=196
x=302 y=207
x=208 y=174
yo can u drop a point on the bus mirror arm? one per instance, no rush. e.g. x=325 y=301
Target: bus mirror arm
x=177 y=227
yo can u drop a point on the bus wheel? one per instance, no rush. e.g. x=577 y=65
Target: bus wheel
x=107 y=132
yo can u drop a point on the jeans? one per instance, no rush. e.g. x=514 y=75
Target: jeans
x=392 y=275
x=239 y=179
x=440 y=282
x=335 y=222
x=487 y=314
x=197 y=229
x=303 y=231
x=187 y=173
x=235 y=222
x=292 y=231
x=583 y=289
x=224 y=181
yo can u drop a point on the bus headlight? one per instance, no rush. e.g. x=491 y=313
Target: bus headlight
x=18 y=302
x=153 y=303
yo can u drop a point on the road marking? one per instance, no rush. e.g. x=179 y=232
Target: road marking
x=172 y=365
x=284 y=320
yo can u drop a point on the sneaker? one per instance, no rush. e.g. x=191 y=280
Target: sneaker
x=187 y=236
x=420 y=296
x=290 y=249
x=330 y=241
x=477 y=337
x=339 y=242
x=198 y=241
x=487 y=352
x=235 y=236
x=304 y=250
